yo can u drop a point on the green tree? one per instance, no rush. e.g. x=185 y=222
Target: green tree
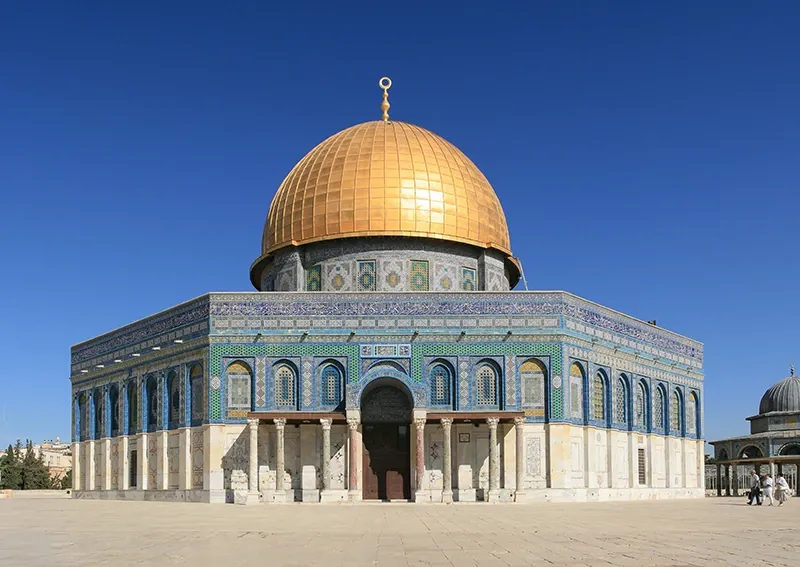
x=35 y=475
x=65 y=482
x=10 y=470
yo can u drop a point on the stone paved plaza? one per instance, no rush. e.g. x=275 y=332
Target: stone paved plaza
x=677 y=533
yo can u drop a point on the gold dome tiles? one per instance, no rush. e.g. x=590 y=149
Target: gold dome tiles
x=385 y=179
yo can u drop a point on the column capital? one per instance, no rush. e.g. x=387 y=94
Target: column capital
x=519 y=421
x=279 y=422
x=420 y=422
x=447 y=422
x=326 y=423
x=252 y=421
x=352 y=423
x=492 y=421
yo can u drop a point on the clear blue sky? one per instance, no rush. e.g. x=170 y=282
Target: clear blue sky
x=646 y=155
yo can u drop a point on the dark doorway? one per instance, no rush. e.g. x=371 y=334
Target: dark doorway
x=132 y=470
x=386 y=415
x=387 y=462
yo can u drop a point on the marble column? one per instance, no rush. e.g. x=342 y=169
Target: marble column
x=162 y=464
x=143 y=454
x=494 y=470
x=719 y=480
x=106 y=464
x=352 y=464
x=772 y=469
x=252 y=473
x=780 y=469
x=326 y=457
x=447 y=466
x=420 y=495
x=280 y=467
x=90 y=467
x=76 y=467
x=519 y=430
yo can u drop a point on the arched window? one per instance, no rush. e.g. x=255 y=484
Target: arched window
x=113 y=396
x=99 y=415
x=487 y=385
x=691 y=415
x=599 y=397
x=675 y=414
x=153 y=407
x=285 y=386
x=532 y=376
x=197 y=391
x=174 y=389
x=440 y=386
x=239 y=386
x=133 y=408
x=576 y=378
x=331 y=385
x=621 y=401
x=640 y=406
x=658 y=408
x=83 y=411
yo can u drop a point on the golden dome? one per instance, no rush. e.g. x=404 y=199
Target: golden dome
x=385 y=179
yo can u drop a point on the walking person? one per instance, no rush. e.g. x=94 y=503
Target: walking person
x=767 y=484
x=755 y=489
x=781 y=489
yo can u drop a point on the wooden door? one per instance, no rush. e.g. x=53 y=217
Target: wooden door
x=386 y=464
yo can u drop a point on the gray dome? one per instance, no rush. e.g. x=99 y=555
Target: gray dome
x=783 y=396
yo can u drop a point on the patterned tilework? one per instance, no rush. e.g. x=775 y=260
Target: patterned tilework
x=511 y=383
x=367 y=277
x=261 y=381
x=467 y=279
x=419 y=275
x=314 y=278
x=307 y=365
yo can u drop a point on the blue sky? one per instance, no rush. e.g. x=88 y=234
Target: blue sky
x=646 y=155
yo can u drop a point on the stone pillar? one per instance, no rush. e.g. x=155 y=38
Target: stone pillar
x=719 y=480
x=772 y=469
x=252 y=475
x=780 y=469
x=185 y=459
x=420 y=496
x=447 y=467
x=162 y=464
x=124 y=469
x=90 y=466
x=143 y=455
x=106 y=464
x=519 y=429
x=76 y=467
x=352 y=464
x=280 y=467
x=494 y=472
x=326 y=458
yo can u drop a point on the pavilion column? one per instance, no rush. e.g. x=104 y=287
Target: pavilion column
x=76 y=467
x=326 y=456
x=419 y=423
x=719 y=480
x=772 y=469
x=519 y=429
x=252 y=476
x=352 y=461
x=280 y=425
x=494 y=470
x=447 y=472
x=780 y=469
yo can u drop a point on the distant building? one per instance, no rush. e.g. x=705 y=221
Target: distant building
x=57 y=456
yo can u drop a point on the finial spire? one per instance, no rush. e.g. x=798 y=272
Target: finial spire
x=791 y=370
x=385 y=83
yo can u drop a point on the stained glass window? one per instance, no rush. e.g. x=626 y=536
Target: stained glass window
x=367 y=276
x=467 y=279
x=314 y=278
x=691 y=414
x=239 y=386
x=419 y=275
x=487 y=385
x=658 y=409
x=621 y=402
x=598 y=397
x=675 y=414
x=532 y=378
x=440 y=385
x=331 y=385
x=284 y=386
x=576 y=378
x=639 y=407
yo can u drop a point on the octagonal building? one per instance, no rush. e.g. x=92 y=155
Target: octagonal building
x=385 y=357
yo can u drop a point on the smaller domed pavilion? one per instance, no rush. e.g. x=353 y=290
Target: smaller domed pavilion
x=774 y=440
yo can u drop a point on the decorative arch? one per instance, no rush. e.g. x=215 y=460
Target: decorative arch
x=659 y=408
x=792 y=448
x=441 y=379
x=599 y=396
x=533 y=380
x=386 y=369
x=676 y=410
x=641 y=405
x=115 y=407
x=487 y=378
x=621 y=402
x=577 y=378
x=331 y=382
x=693 y=415
x=197 y=393
x=722 y=455
x=751 y=452
x=285 y=378
x=173 y=399
x=386 y=400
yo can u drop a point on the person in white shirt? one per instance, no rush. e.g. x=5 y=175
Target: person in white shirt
x=767 y=484
x=755 y=488
x=781 y=489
